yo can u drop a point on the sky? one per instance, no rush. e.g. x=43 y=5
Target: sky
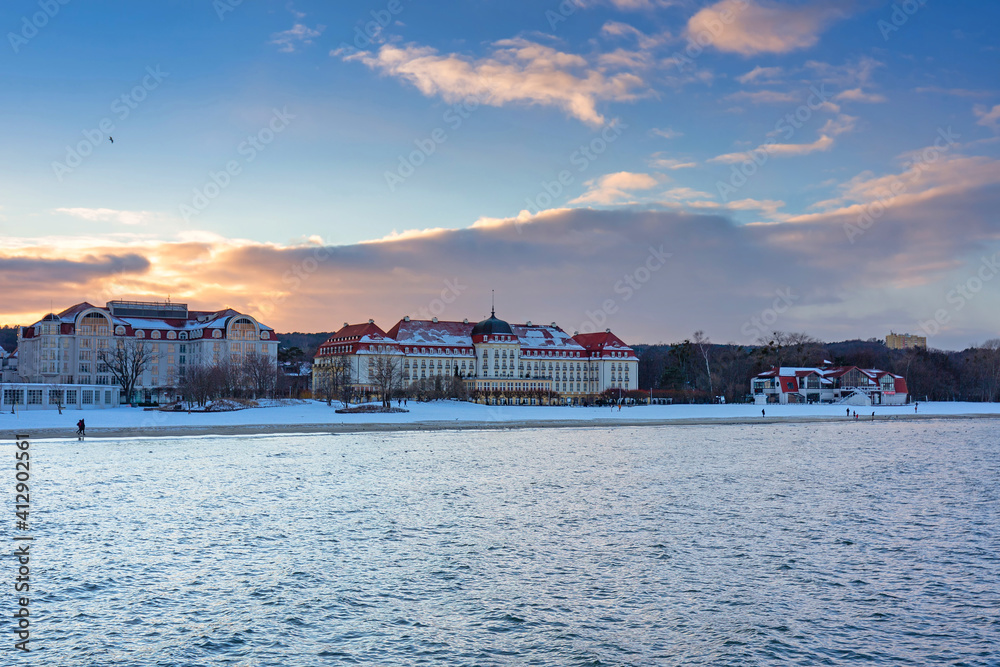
x=651 y=166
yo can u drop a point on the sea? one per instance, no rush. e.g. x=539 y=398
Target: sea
x=853 y=543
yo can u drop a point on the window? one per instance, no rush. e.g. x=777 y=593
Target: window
x=34 y=397
x=171 y=335
x=243 y=329
x=13 y=396
x=55 y=396
x=155 y=335
x=140 y=333
x=70 y=396
x=216 y=333
x=183 y=335
x=88 y=396
x=107 y=398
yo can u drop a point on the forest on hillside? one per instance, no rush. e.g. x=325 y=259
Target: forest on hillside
x=695 y=370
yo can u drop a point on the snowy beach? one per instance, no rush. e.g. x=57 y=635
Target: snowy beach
x=317 y=417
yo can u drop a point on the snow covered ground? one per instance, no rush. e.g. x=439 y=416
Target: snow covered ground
x=290 y=414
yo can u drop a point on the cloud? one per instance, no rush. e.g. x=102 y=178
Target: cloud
x=562 y=265
x=761 y=75
x=764 y=97
x=852 y=78
x=748 y=28
x=111 y=215
x=666 y=133
x=683 y=194
x=824 y=143
x=955 y=92
x=988 y=117
x=921 y=179
x=858 y=95
x=658 y=161
x=298 y=35
x=839 y=125
x=630 y=5
x=614 y=188
x=518 y=71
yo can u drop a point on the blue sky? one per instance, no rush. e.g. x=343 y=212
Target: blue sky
x=488 y=104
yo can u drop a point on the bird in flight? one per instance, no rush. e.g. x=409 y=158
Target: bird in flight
x=112 y=139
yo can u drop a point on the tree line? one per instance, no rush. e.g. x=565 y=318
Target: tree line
x=697 y=371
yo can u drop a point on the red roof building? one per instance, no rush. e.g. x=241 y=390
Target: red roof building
x=490 y=356
x=829 y=384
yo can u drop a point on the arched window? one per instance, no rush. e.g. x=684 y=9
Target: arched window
x=243 y=329
x=155 y=334
x=171 y=335
x=94 y=324
x=140 y=333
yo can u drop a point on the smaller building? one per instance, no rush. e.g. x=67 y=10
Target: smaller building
x=895 y=341
x=17 y=396
x=8 y=366
x=849 y=385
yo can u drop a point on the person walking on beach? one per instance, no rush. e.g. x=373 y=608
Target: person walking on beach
x=915 y=408
x=848 y=413
x=762 y=412
x=81 y=428
x=873 y=416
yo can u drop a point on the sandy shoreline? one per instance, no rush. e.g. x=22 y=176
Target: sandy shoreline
x=131 y=432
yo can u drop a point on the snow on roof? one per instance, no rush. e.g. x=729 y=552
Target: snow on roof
x=428 y=332
x=544 y=336
x=197 y=319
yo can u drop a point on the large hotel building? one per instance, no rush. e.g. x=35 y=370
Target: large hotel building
x=65 y=348
x=490 y=356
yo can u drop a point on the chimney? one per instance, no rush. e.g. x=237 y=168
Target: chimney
x=346 y=324
x=576 y=333
x=406 y=319
x=371 y=321
x=465 y=321
x=607 y=331
x=529 y=323
x=434 y=320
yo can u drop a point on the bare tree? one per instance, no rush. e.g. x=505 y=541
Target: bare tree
x=228 y=378
x=385 y=371
x=56 y=392
x=126 y=362
x=703 y=344
x=260 y=373
x=198 y=384
x=333 y=379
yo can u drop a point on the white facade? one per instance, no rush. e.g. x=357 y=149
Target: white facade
x=848 y=385
x=491 y=356
x=65 y=348
x=15 y=397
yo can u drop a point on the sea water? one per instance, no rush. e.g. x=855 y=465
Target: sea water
x=792 y=544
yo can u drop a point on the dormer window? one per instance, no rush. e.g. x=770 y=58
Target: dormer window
x=140 y=334
x=155 y=334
